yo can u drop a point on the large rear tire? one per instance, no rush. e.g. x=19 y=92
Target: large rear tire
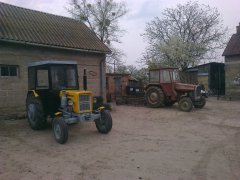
x=35 y=113
x=104 y=124
x=60 y=130
x=185 y=104
x=201 y=103
x=155 y=97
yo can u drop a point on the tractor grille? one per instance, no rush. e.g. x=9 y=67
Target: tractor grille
x=84 y=103
x=198 y=91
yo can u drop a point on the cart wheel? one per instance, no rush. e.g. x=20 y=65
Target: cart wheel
x=104 y=124
x=60 y=130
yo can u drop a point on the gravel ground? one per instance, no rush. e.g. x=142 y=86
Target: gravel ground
x=144 y=143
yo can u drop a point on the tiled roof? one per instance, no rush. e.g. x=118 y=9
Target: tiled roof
x=33 y=27
x=233 y=46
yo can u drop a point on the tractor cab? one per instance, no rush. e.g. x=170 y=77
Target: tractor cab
x=164 y=75
x=49 y=78
x=53 y=90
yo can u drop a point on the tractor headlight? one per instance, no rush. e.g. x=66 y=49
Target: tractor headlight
x=70 y=102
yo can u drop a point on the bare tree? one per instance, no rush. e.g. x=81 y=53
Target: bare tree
x=184 y=35
x=101 y=16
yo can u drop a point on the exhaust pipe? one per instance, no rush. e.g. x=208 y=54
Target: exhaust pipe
x=85 y=79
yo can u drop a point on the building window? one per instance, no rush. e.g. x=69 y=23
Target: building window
x=8 y=70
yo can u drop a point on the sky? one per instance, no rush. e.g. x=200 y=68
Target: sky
x=139 y=13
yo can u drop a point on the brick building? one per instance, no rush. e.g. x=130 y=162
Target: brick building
x=232 y=66
x=27 y=35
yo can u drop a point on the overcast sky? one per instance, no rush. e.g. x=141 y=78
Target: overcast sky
x=140 y=12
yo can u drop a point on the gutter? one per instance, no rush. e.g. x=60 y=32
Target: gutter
x=56 y=47
x=103 y=78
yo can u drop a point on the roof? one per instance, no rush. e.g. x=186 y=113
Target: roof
x=39 y=63
x=117 y=74
x=20 y=25
x=233 y=46
x=195 y=68
x=162 y=68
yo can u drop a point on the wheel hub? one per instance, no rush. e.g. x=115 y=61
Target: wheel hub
x=185 y=105
x=57 y=131
x=31 y=112
x=153 y=97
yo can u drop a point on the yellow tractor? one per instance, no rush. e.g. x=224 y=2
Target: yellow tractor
x=53 y=91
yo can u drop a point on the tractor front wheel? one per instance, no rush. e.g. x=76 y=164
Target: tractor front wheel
x=155 y=97
x=104 y=123
x=185 y=104
x=201 y=103
x=60 y=130
x=35 y=113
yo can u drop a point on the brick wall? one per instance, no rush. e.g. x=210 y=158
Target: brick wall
x=232 y=77
x=13 y=90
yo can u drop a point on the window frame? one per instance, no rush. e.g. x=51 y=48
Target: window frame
x=9 y=72
x=163 y=76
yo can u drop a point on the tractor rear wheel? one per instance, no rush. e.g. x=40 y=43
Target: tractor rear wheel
x=60 y=130
x=104 y=124
x=35 y=113
x=200 y=104
x=185 y=104
x=155 y=97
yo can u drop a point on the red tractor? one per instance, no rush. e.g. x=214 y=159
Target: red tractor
x=164 y=89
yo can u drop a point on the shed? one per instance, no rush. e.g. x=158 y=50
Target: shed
x=117 y=84
x=211 y=75
x=28 y=35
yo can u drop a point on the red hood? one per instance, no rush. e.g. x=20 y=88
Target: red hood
x=184 y=87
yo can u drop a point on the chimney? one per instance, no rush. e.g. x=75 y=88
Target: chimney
x=238 y=29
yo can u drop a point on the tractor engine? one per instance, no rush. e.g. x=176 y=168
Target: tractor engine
x=77 y=101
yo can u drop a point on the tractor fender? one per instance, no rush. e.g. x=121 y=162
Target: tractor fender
x=35 y=94
x=155 y=85
x=182 y=96
x=151 y=85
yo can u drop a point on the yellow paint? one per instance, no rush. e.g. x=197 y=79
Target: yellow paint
x=58 y=113
x=74 y=96
x=101 y=108
x=34 y=93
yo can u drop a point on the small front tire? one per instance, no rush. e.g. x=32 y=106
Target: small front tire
x=185 y=104
x=60 y=130
x=104 y=124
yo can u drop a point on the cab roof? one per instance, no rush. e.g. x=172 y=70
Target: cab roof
x=49 y=62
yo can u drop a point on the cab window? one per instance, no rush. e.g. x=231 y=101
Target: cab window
x=154 y=76
x=42 y=79
x=165 y=76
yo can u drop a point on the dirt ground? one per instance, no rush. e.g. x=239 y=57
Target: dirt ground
x=144 y=144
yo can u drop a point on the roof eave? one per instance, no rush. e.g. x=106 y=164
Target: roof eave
x=230 y=54
x=56 y=47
